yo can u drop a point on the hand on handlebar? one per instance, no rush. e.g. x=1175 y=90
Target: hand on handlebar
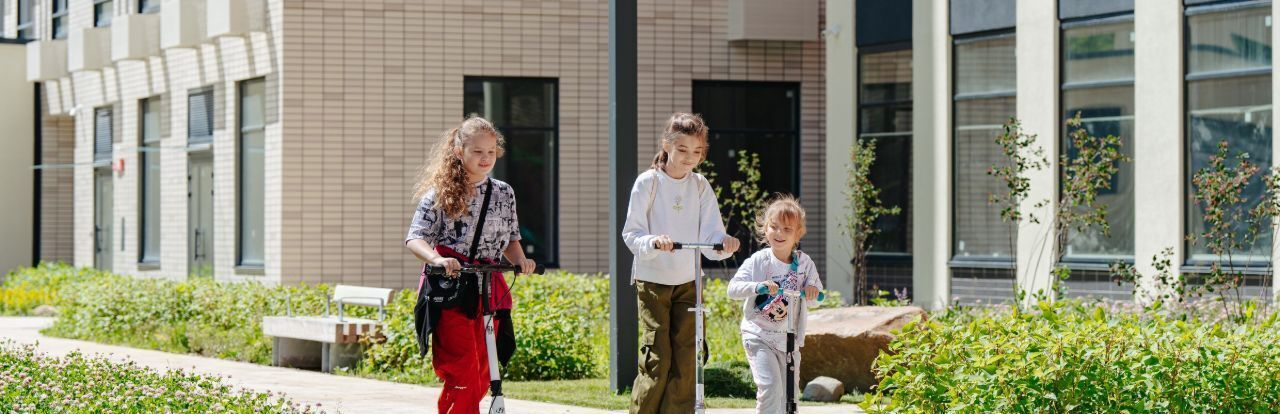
x=450 y=265
x=810 y=293
x=730 y=243
x=768 y=284
x=664 y=243
x=527 y=266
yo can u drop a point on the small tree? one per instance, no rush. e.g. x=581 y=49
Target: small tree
x=1085 y=174
x=865 y=208
x=1232 y=228
x=1022 y=155
x=741 y=200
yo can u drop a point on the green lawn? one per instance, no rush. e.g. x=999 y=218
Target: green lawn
x=595 y=393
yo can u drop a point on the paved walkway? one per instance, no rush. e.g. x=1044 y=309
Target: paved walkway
x=332 y=392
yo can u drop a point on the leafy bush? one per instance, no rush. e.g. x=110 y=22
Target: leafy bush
x=1076 y=357
x=32 y=382
x=25 y=289
x=729 y=379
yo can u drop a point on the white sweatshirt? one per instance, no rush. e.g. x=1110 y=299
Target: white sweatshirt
x=684 y=209
x=764 y=266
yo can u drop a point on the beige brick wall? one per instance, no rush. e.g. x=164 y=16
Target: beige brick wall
x=369 y=85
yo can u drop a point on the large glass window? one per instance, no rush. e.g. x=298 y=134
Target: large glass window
x=252 y=176
x=1228 y=98
x=884 y=100
x=756 y=117
x=527 y=112
x=149 y=153
x=26 y=30
x=1097 y=84
x=985 y=90
x=102 y=12
x=58 y=17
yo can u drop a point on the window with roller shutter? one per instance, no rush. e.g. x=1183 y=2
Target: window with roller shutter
x=102 y=136
x=200 y=117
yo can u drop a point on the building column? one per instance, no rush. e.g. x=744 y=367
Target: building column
x=1160 y=155
x=931 y=153
x=1275 y=146
x=1037 y=71
x=841 y=113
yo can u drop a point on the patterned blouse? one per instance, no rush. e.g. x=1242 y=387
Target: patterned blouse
x=500 y=228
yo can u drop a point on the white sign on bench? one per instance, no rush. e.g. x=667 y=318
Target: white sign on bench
x=326 y=341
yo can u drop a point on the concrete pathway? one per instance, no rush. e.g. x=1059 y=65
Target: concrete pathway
x=331 y=392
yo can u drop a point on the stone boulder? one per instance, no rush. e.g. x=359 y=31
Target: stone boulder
x=843 y=342
x=824 y=389
x=45 y=310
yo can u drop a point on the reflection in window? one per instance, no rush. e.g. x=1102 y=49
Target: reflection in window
x=1228 y=98
x=885 y=116
x=252 y=177
x=149 y=154
x=1097 y=80
x=985 y=99
x=525 y=111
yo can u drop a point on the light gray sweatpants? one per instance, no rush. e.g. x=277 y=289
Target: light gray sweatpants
x=769 y=369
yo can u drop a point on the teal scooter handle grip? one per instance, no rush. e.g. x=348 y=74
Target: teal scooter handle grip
x=762 y=290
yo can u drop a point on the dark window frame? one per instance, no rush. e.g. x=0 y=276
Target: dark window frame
x=148 y=6
x=146 y=152
x=1188 y=262
x=210 y=112
x=241 y=129
x=26 y=29
x=98 y=12
x=1077 y=263
x=58 y=19
x=878 y=256
x=552 y=258
x=952 y=261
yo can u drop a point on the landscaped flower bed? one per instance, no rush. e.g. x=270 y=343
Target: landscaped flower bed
x=35 y=383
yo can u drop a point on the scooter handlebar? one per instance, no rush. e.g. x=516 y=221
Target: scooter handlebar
x=504 y=267
x=697 y=246
x=762 y=289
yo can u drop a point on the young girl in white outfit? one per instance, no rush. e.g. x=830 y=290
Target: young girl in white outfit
x=764 y=316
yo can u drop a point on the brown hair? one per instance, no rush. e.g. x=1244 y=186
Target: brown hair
x=782 y=208
x=444 y=172
x=680 y=123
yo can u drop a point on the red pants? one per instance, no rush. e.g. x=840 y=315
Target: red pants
x=461 y=360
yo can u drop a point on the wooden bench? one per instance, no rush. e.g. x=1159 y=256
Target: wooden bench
x=329 y=341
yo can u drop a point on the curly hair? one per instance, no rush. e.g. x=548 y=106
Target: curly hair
x=782 y=208
x=444 y=171
x=680 y=123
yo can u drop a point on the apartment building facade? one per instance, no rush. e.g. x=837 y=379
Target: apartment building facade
x=278 y=140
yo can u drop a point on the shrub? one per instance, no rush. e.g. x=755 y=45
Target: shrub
x=729 y=379
x=25 y=289
x=1076 y=357
x=31 y=383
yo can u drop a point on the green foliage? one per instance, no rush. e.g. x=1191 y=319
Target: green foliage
x=1236 y=226
x=1074 y=357
x=1021 y=156
x=25 y=289
x=729 y=379
x=31 y=382
x=865 y=208
x=740 y=202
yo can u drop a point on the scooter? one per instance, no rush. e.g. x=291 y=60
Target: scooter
x=497 y=405
x=699 y=396
x=795 y=298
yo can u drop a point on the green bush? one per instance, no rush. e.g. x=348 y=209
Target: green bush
x=729 y=379
x=27 y=288
x=31 y=382
x=1076 y=357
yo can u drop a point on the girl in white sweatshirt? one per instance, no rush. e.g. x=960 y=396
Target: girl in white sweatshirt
x=670 y=203
x=765 y=317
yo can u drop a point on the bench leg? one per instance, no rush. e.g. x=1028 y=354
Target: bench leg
x=326 y=361
x=275 y=351
x=296 y=353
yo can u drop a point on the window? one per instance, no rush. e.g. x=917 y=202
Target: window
x=200 y=116
x=757 y=117
x=1097 y=84
x=252 y=176
x=59 y=18
x=985 y=97
x=885 y=116
x=1228 y=98
x=102 y=136
x=149 y=182
x=526 y=111
x=102 y=12
x=26 y=30
x=148 y=6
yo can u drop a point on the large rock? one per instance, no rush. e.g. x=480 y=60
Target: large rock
x=45 y=310
x=824 y=389
x=843 y=342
